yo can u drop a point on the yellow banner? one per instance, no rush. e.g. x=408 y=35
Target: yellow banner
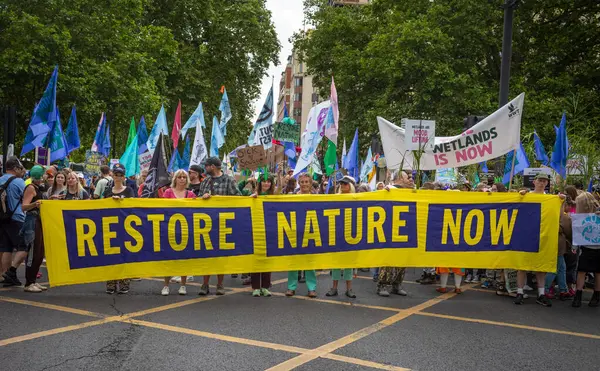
x=98 y=240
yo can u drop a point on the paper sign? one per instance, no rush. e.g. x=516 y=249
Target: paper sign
x=113 y=162
x=586 y=229
x=93 y=161
x=446 y=176
x=285 y=132
x=420 y=135
x=145 y=159
x=42 y=156
x=251 y=158
x=530 y=173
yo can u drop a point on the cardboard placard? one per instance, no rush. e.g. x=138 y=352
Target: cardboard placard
x=251 y=158
x=93 y=161
x=285 y=132
x=145 y=159
x=530 y=173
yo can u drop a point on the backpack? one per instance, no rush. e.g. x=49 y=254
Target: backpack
x=5 y=212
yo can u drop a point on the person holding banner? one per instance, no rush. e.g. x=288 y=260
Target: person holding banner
x=346 y=187
x=74 y=189
x=565 y=237
x=589 y=259
x=179 y=189
x=31 y=233
x=195 y=179
x=540 y=183
x=305 y=182
x=216 y=184
x=261 y=282
x=58 y=186
x=118 y=191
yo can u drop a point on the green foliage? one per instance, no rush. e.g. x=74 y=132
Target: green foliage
x=128 y=57
x=440 y=60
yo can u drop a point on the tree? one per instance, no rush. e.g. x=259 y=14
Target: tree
x=128 y=57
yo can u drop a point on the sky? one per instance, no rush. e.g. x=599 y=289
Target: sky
x=287 y=15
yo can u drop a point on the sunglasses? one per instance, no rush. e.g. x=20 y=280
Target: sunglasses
x=181 y=177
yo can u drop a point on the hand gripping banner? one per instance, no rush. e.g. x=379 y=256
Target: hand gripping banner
x=99 y=240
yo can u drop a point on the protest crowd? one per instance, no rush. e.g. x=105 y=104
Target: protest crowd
x=200 y=174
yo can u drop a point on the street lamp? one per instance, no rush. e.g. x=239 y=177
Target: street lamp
x=509 y=7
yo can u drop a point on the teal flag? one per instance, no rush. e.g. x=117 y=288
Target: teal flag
x=130 y=158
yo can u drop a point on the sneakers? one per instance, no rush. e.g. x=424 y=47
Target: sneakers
x=111 y=290
x=442 y=290
x=476 y=279
x=123 y=290
x=290 y=293
x=10 y=279
x=375 y=278
x=176 y=279
x=32 y=288
x=256 y=293
x=182 y=290
x=165 y=291
x=519 y=299
x=312 y=294
x=220 y=290
x=43 y=288
x=595 y=301
x=577 y=299
x=565 y=296
x=549 y=295
x=350 y=294
x=469 y=278
x=190 y=278
x=265 y=292
x=234 y=276
x=381 y=291
x=527 y=288
x=204 y=290
x=543 y=301
x=399 y=291
x=332 y=292
x=428 y=279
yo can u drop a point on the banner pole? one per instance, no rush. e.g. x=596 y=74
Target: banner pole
x=512 y=169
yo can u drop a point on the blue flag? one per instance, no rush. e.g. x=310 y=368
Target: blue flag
x=216 y=138
x=521 y=163
x=225 y=112
x=484 y=167
x=98 y=145
x=191 y=122
x=175 y=161
x=72 y=133
x=142 y=136
x=187 y=155
x=540 y=152
x=561 y=149
x=289 y=149
x=160 y=126
x=130 y=158
x=106 y=143
x=352 y=162
x=286 y=113
x=56 y=141
x=591 y=185
x=44 y=117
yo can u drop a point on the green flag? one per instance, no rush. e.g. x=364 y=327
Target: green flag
x=132 y=133
x=330 y=158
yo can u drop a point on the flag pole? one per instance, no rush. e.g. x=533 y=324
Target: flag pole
x=512 y=169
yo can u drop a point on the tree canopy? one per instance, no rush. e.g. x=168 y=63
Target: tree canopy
x=429 y=59
x=128 y=57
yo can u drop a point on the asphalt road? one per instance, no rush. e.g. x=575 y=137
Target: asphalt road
x=82 y=328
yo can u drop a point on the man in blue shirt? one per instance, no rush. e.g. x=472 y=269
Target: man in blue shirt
x=9 y=232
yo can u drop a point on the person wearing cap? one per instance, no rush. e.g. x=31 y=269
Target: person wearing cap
x=216 y=184
x=9 y=231
x=195 y=174
x=31 y=233
x=118 y=191
x=347 y=186
x=539 y=187
x=103 y=183
x=310 y=276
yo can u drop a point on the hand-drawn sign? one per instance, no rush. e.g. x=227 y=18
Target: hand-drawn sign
x=252 y=158
x=286 y=132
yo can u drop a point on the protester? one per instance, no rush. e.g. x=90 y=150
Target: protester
x=103 y=183
x=195 y=174
x=346 y=187
x=290 y=186
x=247 y=187
x=540 y=183
x=305 y=182
x=498 y=187
x=179 y=189
x=380 y=186
x=74 y=189
x=261 y=282
x=31 y=233
x=13 y=186
x=118 y=191
x=571 y=193
x=140 y=182
x=58 y=187
x=589 y=258
x=444 y=275
x=216 y=184
x=565 y=238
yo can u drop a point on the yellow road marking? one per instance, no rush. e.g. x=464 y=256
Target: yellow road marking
x=52 y=306
x=507 y=324
x=345 y=303
x=362 y=362
x=348 y=339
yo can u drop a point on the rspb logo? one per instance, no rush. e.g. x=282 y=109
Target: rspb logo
x=512 y=111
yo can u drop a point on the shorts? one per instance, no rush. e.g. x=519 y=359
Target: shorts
x=589 y=260
x=10 y=237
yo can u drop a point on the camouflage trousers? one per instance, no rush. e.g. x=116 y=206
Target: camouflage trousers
x=393 y=276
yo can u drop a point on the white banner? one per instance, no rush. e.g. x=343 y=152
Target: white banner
x=586 y=229
x=315 y=127
x=199 y=151
x=496 y=135
x=145 y=159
